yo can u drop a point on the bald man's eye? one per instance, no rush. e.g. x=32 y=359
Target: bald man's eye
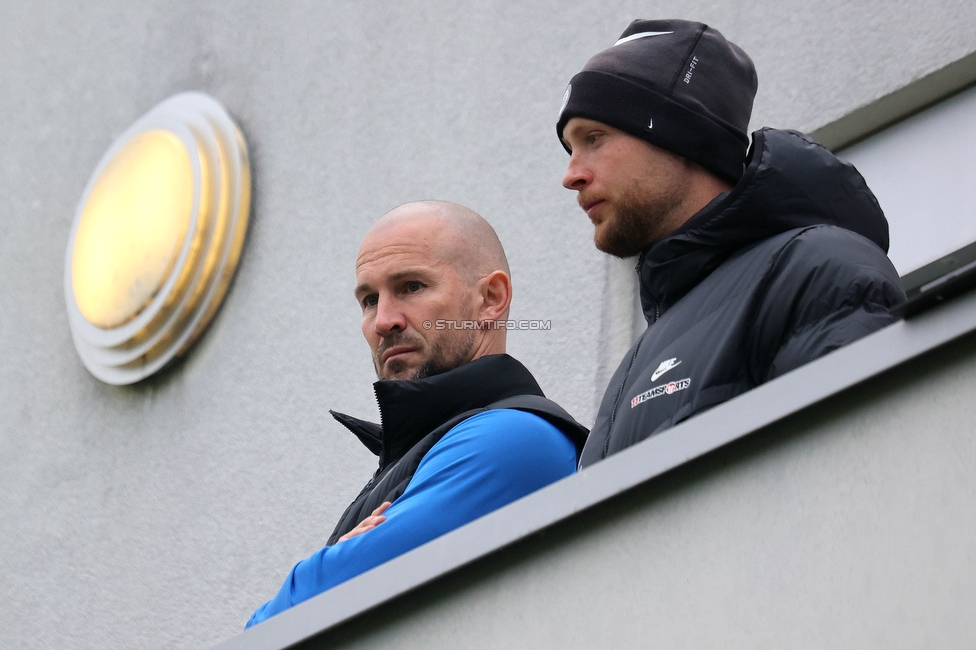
x=413 y=287
x=369 y=301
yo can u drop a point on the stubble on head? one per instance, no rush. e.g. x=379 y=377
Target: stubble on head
x=467 y=245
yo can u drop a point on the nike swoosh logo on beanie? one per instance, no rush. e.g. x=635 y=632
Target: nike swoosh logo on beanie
x=634 y=37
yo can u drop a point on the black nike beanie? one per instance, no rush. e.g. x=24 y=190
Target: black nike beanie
x=677 y=84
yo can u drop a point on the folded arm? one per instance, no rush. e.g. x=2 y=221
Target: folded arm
x=483 y=463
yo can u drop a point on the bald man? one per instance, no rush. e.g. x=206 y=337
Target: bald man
x=465 y=427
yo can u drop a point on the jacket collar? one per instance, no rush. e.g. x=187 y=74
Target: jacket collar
x=409 y=410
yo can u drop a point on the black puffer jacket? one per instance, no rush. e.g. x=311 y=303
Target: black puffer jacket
x=785 y=268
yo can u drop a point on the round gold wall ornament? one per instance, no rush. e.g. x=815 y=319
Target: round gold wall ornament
x=156 y=238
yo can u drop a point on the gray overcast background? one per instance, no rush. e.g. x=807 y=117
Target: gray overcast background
x=162 y=514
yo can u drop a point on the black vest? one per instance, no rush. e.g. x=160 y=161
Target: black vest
x=414 y=415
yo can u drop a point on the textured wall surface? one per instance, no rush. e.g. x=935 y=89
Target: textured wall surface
x=162 y=514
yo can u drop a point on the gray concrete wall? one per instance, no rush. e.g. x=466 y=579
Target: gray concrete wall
x=162 y=514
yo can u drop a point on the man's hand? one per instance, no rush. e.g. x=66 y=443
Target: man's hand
x=369 y=523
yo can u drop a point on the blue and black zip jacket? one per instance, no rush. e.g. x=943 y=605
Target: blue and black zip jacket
x=451 y=448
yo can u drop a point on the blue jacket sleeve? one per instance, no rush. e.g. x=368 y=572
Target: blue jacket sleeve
x=483 y=463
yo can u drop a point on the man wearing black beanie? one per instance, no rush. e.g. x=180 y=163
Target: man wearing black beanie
x=751 y=263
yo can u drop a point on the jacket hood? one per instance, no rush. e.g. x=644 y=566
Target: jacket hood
x=789 y=182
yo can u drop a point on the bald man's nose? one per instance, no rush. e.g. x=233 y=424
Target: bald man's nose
x=389 y=317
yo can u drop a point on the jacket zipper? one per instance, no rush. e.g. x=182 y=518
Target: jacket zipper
x=383 y=450
x=620 y=392
x=623 y=384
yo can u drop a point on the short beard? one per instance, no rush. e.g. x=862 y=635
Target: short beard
x=638 y=223
x=645 y=212
x=444 y=355
x=443 y=359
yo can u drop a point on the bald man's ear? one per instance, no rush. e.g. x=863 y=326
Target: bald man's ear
x=496 y=296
